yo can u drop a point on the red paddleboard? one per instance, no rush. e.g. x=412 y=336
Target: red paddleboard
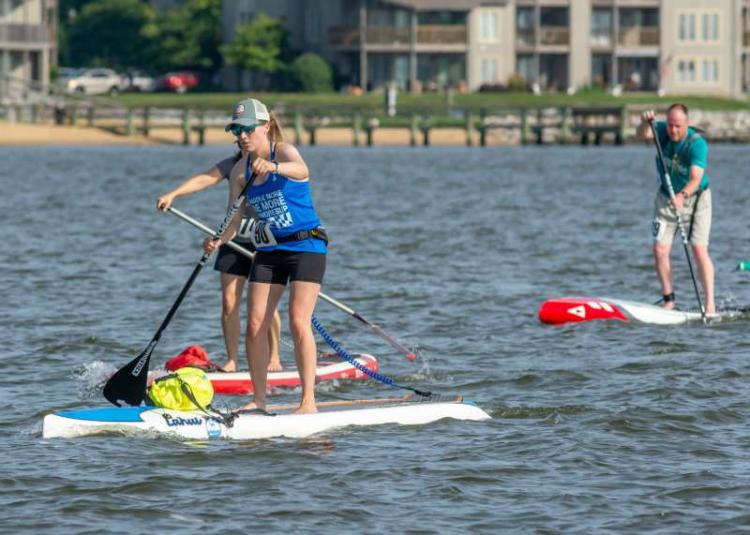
x=327 y=370
x=241 y=383
x=578 y=309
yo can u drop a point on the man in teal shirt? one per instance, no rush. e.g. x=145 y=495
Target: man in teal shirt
x=686 y=155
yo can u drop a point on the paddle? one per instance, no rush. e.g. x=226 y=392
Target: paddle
x=383 y=334
x=129 y=382
x=683 y=234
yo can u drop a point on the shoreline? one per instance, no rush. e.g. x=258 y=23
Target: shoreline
x=27 y=134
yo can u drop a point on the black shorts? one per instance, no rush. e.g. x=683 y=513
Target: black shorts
x=233 y=262
x=278 y=267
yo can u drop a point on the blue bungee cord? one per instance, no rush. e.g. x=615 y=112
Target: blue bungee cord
x=341 y=352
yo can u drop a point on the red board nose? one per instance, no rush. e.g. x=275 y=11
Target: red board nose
x=578 y=309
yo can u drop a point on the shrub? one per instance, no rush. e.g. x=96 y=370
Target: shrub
x=313 y=73
x=516 y=82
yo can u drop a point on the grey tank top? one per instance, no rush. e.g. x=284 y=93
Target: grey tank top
x=225 y=168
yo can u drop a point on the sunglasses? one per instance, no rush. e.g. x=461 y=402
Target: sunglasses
x=237 y=130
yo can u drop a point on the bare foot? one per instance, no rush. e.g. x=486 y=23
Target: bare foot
x=275 y=366
x=669 y=305
x=252 y=406
x=711 y=310
x=306 y=408
x=230 y=366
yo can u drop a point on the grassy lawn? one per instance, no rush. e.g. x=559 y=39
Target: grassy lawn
x=433 y=103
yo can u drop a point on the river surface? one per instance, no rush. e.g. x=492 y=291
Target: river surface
x=596 y=428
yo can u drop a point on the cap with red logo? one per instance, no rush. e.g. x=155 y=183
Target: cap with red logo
x=249 y=112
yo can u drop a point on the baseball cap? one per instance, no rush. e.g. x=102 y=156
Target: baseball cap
x=248 y=112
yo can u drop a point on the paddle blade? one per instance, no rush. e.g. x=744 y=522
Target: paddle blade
x=128 y=384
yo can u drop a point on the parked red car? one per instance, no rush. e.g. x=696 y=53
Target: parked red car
x=179 y=81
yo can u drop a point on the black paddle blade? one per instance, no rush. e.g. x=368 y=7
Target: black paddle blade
x=128 y=384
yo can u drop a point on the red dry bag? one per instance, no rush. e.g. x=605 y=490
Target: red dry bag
x=194 y=356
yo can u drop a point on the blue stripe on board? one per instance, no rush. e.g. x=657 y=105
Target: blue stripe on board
x=107 y=414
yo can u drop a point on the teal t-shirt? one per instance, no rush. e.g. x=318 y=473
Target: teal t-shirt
x=679 y=157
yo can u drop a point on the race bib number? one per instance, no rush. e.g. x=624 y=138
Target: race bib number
x=259 y=234
x=657 y=229
x=244 y=230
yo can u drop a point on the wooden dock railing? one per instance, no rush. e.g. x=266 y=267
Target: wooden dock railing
x=521 y=125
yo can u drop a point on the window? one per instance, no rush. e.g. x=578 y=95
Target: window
x=524 y=19
x=686 y=70
x=702 y=25
x=312 y=23
x=601 y=26
x=488 y=26
x=489 y=71
x=686 y=27
x=449 y=18
x=525 y=66
x=710 y=71
x=601 y=70
x=710 y=26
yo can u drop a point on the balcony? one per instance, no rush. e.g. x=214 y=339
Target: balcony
x=427 y=34
x=554 y=35
x=343 y=36
x=638 y=36
x=441 y=34
x=601 y=39
x=23 y=33
x=375 y=35
x=525 y=38
x=387 y=35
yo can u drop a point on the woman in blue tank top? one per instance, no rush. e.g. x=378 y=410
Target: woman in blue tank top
x=291 y=244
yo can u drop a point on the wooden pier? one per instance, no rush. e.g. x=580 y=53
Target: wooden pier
x=592 y=125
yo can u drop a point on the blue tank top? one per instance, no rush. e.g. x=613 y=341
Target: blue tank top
x=287 y=205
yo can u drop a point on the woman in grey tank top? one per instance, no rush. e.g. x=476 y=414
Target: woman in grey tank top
x=233 y=266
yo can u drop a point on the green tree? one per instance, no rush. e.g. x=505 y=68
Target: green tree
x=313 y=73
x=110 y=33
x=187 y=37
x=257 y=45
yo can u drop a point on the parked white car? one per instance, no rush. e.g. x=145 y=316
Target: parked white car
x=136 y=81
x=93 y=81
x=66 y=73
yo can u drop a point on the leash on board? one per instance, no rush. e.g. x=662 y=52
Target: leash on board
x=341 y=352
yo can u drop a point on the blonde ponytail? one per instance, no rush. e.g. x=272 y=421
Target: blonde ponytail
x=275 y=134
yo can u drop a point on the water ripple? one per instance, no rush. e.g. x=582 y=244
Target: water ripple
x=606 y=427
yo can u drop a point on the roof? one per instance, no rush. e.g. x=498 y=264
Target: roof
x=445 y=5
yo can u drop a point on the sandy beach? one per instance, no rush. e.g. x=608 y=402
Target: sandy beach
x=26 y=134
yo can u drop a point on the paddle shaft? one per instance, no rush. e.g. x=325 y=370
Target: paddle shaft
x=683 y=234
x=383 y=334
x=129 y=382
x=202 y=262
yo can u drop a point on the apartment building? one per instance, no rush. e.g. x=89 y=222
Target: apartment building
x=414 y=43
x=28 y=39
x=673 y=46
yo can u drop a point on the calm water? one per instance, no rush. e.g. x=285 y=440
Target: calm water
x=596 y=428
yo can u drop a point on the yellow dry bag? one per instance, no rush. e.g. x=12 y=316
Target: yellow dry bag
x=187 y=389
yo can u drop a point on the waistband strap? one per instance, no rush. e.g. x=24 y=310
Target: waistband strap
x=697 y=193
x=317 y=233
